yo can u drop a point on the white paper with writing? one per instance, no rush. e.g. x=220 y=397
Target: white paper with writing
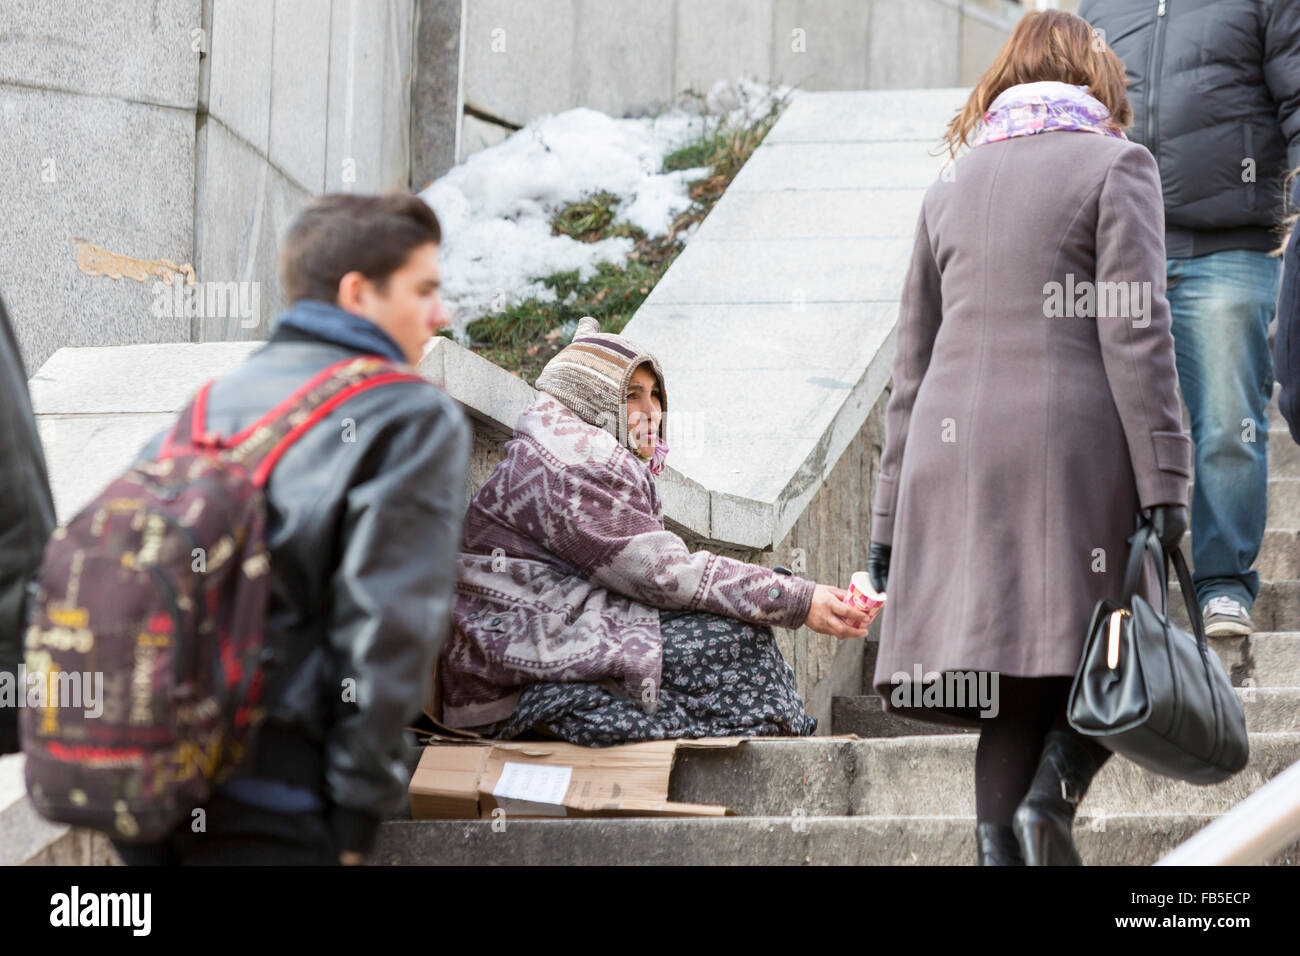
x=536 y=783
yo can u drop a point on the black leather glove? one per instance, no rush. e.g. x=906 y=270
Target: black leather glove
x=1170 y=524
x=878 y=565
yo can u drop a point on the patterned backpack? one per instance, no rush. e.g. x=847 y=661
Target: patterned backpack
x=155 y=596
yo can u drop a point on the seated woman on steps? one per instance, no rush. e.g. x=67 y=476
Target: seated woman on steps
x=579 y=616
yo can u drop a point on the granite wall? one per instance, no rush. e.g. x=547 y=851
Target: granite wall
x=156 y=151
x=629 y=57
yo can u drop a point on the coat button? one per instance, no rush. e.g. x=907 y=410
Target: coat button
x=774 y=592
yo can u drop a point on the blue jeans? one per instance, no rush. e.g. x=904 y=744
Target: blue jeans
x=1221 y=305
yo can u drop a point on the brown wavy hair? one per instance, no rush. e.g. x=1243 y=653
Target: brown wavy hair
x=1047 y=45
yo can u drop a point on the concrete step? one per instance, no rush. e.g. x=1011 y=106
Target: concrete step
x=1264 y=659
x=1283 y=502
x=1119 y=840
x=1279 y=553
x=939 y=771
x=1267 y=709
x=1271 y=709
x=27 y=838
x=862 y=715
x=1283 y=454
x=930 y=776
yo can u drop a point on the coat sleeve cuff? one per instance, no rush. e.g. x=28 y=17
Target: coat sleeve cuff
x=1173 y=452
x=803 y=592
x=1168 y=485
x=882 y=528
x=882 y=509
x=353 y=830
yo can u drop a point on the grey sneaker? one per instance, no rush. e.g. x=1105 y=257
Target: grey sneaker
x=1225 y=617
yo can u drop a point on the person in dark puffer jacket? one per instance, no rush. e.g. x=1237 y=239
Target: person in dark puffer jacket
x=1215 y=89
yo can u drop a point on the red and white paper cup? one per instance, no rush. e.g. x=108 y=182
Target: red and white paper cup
x=864 y=597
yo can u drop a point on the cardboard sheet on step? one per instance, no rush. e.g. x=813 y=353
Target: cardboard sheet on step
x=472 y=779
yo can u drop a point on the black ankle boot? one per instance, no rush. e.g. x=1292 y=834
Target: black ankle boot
x=997 y=846
x=1045 y=818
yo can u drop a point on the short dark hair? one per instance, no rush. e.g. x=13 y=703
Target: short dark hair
x=340 y=233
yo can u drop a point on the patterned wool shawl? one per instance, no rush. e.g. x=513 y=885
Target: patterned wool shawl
x=1029 y=108
x=564 y=566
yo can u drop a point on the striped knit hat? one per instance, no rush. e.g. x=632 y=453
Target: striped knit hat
x=590 y=375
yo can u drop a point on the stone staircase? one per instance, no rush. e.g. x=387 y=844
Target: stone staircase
x=904 y=793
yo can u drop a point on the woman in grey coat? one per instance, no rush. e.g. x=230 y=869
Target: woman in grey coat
x=1034 y=416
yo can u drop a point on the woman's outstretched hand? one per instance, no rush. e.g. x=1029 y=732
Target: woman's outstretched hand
x=830 y=613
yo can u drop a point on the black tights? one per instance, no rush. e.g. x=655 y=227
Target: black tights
x=1011 y=743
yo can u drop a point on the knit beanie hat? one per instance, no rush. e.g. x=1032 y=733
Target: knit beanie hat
x=590 y=375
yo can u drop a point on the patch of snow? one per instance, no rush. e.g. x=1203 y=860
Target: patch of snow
x=496 y=207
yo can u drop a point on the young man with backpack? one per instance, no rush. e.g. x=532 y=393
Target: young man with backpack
x=363 y=491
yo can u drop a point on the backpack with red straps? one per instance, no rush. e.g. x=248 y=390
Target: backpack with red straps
x=145 y=650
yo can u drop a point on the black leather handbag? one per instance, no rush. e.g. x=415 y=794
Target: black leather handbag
x=1148 y=690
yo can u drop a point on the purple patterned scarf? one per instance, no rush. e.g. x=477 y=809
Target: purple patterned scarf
x=656 y=461
x=1028 y=108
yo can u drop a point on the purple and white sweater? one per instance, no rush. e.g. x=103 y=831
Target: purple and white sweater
x=565 y=565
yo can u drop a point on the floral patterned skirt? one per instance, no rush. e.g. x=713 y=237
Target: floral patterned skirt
x=721 y=678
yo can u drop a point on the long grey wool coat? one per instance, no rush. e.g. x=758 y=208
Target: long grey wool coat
x=1027 y=425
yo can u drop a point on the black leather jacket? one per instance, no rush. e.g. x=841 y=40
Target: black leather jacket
x=26 y=513
x=363 y=538
x=1212 y=83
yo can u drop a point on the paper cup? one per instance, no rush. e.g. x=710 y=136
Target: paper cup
x=864 y=597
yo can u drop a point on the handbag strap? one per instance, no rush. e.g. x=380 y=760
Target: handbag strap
x=1140 y=542
x=1189 y=597
x=1144 y=540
